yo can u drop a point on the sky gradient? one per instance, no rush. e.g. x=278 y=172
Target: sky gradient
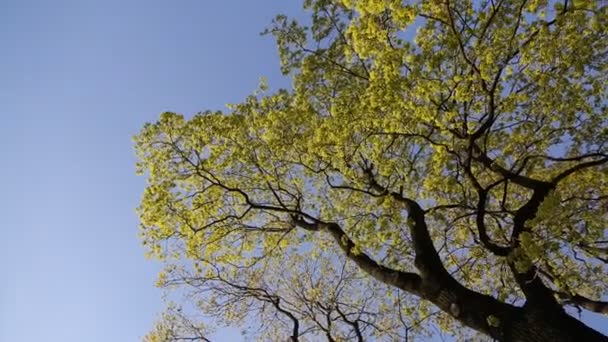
x=78 y=80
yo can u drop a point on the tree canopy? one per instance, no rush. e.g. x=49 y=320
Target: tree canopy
x=437 y=165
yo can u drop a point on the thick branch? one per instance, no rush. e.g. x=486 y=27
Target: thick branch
x=469 y=307
x=406 y=281
x=427 y=259
x=354 y=324
x=584 y=302
x=516 y=178
x=531 y=284
x=481 y=228
x=296 y=323
x=577 y=168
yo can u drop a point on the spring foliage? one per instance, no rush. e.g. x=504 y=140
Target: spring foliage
x=485 y=120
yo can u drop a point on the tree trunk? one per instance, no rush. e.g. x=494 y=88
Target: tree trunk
x=538 y=325
x=505 y=322
x=542 y=319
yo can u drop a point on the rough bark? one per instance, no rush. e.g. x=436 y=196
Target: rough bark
x=533 y=322
x=528 y=323
x=540 y=319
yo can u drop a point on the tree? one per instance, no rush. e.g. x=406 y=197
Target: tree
x=463 y=165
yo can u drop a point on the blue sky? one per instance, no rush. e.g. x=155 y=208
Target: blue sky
x=78 y=80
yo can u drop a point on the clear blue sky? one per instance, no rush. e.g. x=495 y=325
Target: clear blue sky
x=78 y=79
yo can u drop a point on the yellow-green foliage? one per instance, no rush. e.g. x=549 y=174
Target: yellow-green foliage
x=399 y=87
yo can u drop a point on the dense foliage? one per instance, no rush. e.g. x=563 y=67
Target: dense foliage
x=436 y=165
